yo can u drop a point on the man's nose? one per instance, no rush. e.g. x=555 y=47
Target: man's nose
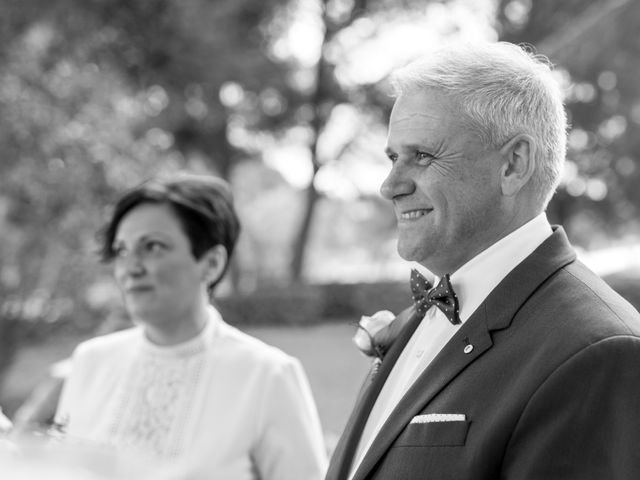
x=398 y=182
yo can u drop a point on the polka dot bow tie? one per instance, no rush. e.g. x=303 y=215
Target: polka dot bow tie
x=442 y=296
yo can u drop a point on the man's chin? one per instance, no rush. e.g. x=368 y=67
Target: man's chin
x=411 y=253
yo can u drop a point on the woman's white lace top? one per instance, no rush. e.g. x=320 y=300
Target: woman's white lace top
x=156 y=397
x=222 y=405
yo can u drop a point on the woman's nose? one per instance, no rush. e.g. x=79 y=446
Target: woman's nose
x=131 y=265
x=398 y=182
x=135 y=267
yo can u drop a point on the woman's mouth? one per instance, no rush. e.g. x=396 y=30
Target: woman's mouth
x=139 y=289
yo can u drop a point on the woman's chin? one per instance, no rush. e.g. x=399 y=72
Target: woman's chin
x=141 y=312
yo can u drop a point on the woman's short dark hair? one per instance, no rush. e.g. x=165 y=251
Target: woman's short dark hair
x=203 y=205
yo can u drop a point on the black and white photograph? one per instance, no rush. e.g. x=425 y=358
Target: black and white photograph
x=319 y=240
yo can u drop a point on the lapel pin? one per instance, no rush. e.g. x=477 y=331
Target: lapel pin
x=468 y=347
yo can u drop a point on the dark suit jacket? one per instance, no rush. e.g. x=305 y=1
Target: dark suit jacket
x=550 y=390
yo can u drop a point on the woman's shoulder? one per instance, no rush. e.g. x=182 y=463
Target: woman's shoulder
x=236 y=342
x=109 y=343
x=102 y=353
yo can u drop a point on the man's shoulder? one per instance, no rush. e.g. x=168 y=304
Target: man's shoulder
x=588 y=296
x=577 y=302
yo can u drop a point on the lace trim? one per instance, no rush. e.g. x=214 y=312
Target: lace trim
x=156 y=403
x=157 y=397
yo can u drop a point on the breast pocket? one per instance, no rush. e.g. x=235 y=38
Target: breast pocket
x=434 y=434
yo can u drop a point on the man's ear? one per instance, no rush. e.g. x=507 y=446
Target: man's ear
x=214 y=262
x=518 y=163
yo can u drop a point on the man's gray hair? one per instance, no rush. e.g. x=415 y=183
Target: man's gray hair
x=503 y=90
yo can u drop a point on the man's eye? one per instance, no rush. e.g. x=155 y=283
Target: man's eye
x=393 y=157
x=424 y=158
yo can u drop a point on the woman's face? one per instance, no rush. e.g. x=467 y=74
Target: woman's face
x=159 y=277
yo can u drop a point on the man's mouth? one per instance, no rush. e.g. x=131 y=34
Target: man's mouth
x=414 y=214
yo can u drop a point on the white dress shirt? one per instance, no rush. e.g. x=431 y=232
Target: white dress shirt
x=472 y=282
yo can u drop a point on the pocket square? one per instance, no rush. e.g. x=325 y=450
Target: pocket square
x=439 y=417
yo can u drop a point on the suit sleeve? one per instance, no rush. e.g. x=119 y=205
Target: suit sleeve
x=583 y=422
x=290 y=444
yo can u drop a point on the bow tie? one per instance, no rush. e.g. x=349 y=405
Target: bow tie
x=442 y=296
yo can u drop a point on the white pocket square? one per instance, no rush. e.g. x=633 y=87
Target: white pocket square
x=439 y=417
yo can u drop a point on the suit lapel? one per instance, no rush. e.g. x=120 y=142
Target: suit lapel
x=345 y=450
x=448 y=363
x=495 y=313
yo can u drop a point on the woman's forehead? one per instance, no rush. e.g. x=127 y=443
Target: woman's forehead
x=147 y=218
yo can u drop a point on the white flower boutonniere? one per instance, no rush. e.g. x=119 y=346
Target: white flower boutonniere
x=374 y=334
x=5 y=424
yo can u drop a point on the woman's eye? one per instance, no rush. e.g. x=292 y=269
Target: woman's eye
x=119 y=252
x=153 y=247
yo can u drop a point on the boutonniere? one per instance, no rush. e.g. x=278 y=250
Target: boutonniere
x=375 y=334
x=5 y=424
x=6 y=446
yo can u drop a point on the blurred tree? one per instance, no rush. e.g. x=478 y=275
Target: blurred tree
x=323 y=98
x=327 y=94
x=96 y=96
x=597 y=44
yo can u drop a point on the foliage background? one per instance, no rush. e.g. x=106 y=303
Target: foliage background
x=287 y=99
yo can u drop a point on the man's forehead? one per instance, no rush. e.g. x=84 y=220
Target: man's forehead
x=407 y=119
x=415 y=120
x=418 y=107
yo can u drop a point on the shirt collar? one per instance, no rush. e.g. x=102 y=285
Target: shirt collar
x=474 y=281
x=197 y=344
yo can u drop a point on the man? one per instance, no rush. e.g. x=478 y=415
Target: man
x=521 y=363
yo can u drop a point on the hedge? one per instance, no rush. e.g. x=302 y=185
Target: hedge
x=309 y=304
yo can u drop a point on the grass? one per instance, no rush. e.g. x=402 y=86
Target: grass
x=333 y=365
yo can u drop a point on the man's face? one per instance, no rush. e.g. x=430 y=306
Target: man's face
x=444 y=183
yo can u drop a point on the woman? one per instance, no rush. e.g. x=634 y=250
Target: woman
x=183 y=386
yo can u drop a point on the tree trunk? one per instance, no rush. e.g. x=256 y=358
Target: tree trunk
x=302 y=238
x=322 y=100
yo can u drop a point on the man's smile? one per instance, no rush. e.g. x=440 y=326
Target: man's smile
x=414 y=214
